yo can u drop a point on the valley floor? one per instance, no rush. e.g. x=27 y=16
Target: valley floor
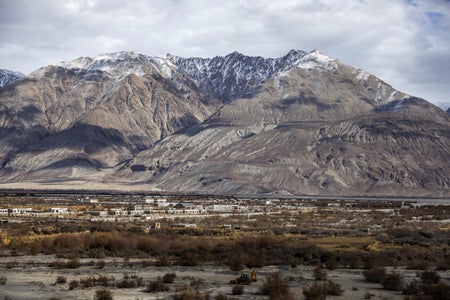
x=31 y=278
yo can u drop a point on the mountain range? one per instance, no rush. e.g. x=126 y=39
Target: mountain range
x=301 y=124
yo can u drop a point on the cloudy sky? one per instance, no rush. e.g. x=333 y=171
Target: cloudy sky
x=404 y=42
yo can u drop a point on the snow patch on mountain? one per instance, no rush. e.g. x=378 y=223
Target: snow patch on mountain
x=235 y=75
x=164 y=65
x=392 y=96
x=399 y=104
x=315 y=59
x=116 y=64
x=8 y=77
x=222 y=77
x=362 y=75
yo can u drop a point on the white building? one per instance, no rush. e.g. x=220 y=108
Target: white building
x=19 y=211
x=59 y=210
x=88 y=200
x=226 y=208
x=119 y=212
x=158 y=201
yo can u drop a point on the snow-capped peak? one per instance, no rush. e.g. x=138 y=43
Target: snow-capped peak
x=116 y=64
x=8 y=77
x=214 y=75
x=87 y=62
x=316 y=59
x=117 y=56
x=226 y=77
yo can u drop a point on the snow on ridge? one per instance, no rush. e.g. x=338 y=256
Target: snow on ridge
x=116 y=64
x=86 y=62
x=243 y=67
x=362 y=75
x=8 y=77
x=400 y=102
x=120 y=64
x=392 y=96
x=164 y=64
x=316 y=59
x=247 y=72
x=79 y=63
x=213 y=75
x=117 y=55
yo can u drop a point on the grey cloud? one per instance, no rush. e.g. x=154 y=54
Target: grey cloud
x=403 y=42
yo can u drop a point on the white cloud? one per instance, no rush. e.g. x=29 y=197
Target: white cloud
x=406 y=43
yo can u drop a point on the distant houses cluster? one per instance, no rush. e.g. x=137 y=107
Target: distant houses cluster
x=145 y=209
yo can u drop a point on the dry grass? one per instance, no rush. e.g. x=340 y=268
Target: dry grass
x=342 y=242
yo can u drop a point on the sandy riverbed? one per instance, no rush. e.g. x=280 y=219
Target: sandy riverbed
x=32 y=278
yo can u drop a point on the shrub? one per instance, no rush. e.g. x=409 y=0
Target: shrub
x=443 y=264
x=103 y=294
x=377 y=274
x=196 y=282
x=103 y=280
x=353 y=260
x=417 y=264
x=10 y=264
x=393 y=282
x=67 y=243
x=73 y=263
x=189 y=294
x=331 y=263
x=237 y=290
x=319 y=290
x=56 y=264
x=236 y=263
x=61 y=280
x=163 y=261
x=319 y=273
x=189 y=259
x=3 y=280
x=276 y=287
x=74 y=284
x=169 y=277
x=221 y=297
x=147 y=263
x=413 y=288
x=156 y=285
x=254 y=261
x=314 y=292
x=430 y=277
x=100 y=264
x=87 y=282
x=440 y=291
x=333 y=288
x=99 y=281
x=125 y=284
x=91 y=281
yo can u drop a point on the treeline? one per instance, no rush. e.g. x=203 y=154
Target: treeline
x=167 y=249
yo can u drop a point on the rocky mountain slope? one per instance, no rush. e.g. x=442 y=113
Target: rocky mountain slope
x=7 y=77
x=303 y=123
x=295 y=149
x=94 y=113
